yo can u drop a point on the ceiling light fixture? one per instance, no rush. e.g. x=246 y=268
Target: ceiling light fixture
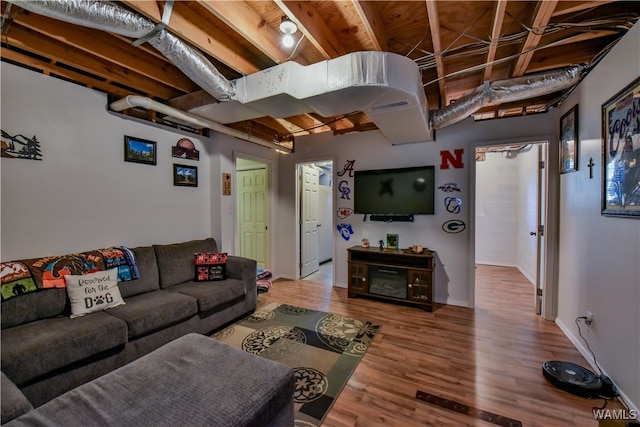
x=288 y=27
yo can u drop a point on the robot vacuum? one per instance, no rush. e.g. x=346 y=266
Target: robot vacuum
x=577 y=380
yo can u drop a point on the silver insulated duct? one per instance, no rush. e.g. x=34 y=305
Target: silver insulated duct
x=113 y=18
x=502 y=91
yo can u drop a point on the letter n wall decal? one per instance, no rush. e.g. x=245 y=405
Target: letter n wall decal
x=455 y=159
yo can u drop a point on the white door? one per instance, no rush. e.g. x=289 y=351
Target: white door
x=309 y=208
x=252 y=213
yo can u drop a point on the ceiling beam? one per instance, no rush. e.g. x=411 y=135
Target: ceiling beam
x=199 y=32
x=47 y=47
x=496 y=29
x=249 y=24
x=314 y=28
x=543 y=13
x=373 y=24
x=567 y=7
x=115 y=50
x=434 y=27
x=50 y=68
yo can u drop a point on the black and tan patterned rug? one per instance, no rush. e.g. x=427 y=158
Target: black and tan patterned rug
x=322 y=348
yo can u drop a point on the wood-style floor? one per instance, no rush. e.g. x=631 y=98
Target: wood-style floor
x=488 y=358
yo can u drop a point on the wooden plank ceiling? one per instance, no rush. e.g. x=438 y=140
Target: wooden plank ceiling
x=457 y=45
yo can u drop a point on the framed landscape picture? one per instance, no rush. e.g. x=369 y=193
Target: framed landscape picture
x=621 y=152
x=138 y=150
x=185 y=175
x=569 y=141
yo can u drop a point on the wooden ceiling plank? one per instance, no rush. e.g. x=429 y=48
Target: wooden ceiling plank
x=200 y=34
x=33 y=42
x=496 y=30
x=567 y=7
x=247 y=22
x=544 y=11
x=434 y=27
x=373 y=24
x=314 y=28
x=110 y=49
x=48 y=68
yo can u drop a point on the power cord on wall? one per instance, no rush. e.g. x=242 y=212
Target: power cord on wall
x=608 y=391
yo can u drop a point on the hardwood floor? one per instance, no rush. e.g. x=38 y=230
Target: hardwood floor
x=488 y=358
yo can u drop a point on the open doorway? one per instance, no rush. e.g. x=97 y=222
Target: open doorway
x=511 y=187
x=315 y=202
x=252 y=207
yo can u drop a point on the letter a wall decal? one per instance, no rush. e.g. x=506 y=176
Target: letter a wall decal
x=455 y=159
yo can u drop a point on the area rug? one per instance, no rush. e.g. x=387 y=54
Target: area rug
x=322 y=348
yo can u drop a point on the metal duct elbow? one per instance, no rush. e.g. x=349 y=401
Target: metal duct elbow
x=113 y=18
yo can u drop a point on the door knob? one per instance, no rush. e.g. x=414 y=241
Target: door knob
x=532 y=233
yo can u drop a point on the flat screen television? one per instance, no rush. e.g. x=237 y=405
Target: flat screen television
x=399 y=191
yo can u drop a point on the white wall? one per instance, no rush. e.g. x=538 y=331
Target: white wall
x=506 y=210
x=497 y=189
x=83 y=195
x=600 y=256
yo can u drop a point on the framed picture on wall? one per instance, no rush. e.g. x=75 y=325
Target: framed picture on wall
x=185 y=175
x=569 y=141
x=138 y=150
x=621 y=152
x=392 y=241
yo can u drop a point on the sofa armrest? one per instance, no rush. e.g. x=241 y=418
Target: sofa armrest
x=244 y=269
x=14 y=403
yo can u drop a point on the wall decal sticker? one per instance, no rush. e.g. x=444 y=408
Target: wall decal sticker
x=449 y=187
x=448 y=159
x=345 y=231
x=343 y=188
x=185 y=149
x=454 y=226
x=344 y=212
x=453 y=204
x=20 y=147
x=348 y=167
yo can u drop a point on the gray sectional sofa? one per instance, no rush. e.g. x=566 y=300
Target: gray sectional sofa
x=46 y=353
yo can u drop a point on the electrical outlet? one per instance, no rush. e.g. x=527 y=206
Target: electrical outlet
x=589 y=318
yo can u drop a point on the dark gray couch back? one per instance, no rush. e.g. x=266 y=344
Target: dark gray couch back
x=176 y=260
x=148 y=268
x=33 y=306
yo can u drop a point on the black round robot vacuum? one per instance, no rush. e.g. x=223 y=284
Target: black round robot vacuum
x=573 y=378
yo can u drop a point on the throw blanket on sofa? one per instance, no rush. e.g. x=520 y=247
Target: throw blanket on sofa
x=20 y=277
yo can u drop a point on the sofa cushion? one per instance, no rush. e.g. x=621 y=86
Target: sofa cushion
x=13 y=401
x=37 y=348
x=175 y=261
x=149 y=312
x=93 y=292
x=210 y=266
x=213 y=295
x=148 y=269
x=33 y=306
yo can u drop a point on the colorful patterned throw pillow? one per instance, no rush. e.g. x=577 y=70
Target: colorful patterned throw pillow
x=210 y=266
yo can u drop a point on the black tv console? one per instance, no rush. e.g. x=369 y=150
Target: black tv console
x=395 y=275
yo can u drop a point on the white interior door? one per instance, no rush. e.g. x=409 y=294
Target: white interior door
x=253 y=208
x=309 y=209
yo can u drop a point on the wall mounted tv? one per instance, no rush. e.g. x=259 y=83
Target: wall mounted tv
x=399 y=191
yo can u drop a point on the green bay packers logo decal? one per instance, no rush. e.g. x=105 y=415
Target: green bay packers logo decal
x=454 y=226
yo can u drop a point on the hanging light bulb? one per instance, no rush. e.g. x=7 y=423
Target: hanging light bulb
x=287 y=40
x=288 y=27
